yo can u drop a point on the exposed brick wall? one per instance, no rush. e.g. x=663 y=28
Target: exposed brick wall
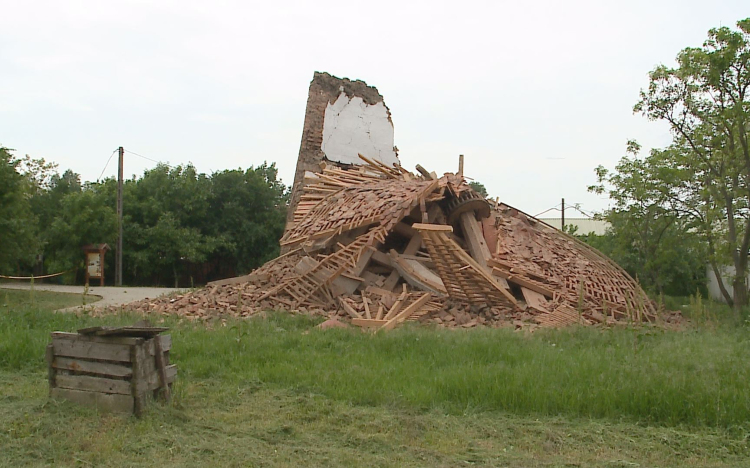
x=324 y=89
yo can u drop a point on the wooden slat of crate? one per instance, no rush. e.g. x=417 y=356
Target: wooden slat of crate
x=90 y=350
x=99 y=348
x=129 y=341
x=166 y=340
x=92 y=367
x=153 y=382
x=166 y=344
x=109 y=402
x=93 y=384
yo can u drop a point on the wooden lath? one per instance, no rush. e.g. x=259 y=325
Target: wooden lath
x=313 y=285
x=319 y=185
x=384 y=203
x=539 y=257
x=464 y=279
x=331 y=179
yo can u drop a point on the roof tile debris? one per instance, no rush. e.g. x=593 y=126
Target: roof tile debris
x=376 y=246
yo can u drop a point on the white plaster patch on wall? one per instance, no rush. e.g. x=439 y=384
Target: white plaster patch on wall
x=351 y=126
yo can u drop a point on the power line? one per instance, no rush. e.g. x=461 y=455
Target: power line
x=547 y=210
x=574 y=206
x=147 y=158
x=105 y=166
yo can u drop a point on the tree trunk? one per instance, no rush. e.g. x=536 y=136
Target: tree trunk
x=720 y=282
x=176 y=277
x=740 y=284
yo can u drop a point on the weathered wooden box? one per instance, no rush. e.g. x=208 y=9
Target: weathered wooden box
x=112 y=373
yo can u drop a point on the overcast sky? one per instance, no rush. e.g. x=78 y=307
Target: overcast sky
x=535 y=94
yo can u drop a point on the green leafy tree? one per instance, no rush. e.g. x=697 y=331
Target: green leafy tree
x=173 y=246
x=84 y=218
x=165 y=199
x=177 y=222
x=46 y=189
x=18 y=238
x=47 y=205
x=646 y=237
x=479 y=188
x=247 y=208
x=229 y=223
x=701 y=182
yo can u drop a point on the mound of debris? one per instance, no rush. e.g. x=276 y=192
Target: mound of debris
x=378 y=245
x=374 y=244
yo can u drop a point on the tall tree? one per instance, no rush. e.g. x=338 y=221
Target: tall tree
x=248 y=208
x=18 y=239
x=165 y=218
x=704 y=175
x=85 y=217
x=646 y=237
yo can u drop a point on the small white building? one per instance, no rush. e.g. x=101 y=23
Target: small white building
x=584 y=225
x=727 y=276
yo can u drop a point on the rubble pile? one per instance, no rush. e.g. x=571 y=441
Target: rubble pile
x=377 y=245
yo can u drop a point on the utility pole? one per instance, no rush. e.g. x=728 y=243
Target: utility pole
x=562 y=226
x=118 y=256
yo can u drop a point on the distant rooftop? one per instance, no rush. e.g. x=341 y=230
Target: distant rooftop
x=585 y=225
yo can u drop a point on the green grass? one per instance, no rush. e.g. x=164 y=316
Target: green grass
x=650 y=376
x=278 y=392
x=220 y=424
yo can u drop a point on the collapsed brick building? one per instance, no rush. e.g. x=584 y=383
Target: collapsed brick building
x=375 y=244
x=343 y=118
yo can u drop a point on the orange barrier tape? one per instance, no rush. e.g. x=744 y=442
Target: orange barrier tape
x=35 y=277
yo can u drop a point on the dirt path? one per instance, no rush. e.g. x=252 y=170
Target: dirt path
x=109 y=295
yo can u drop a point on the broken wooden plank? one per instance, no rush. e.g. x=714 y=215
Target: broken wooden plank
x=535 y=300
x=365 y=301
x=521 y=281
x=424 y=172
x=397 y=306
x=368 y=323
x=412 y=308
x=432 y=227
x=417 y=274
x=474 y=237
x=349 y=309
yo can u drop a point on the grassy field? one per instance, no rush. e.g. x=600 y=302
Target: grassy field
x=278 y=392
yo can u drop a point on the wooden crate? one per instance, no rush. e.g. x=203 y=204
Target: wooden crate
x=114 y=374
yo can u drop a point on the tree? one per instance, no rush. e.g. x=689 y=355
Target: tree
x=647 y=238
x=180 y=223
x=703 y=177
x=173 y=245
x=84 y=218
x=18 y=239
x=479 y=188
x=249 y=209
x=47 y=205
x=165 y=216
